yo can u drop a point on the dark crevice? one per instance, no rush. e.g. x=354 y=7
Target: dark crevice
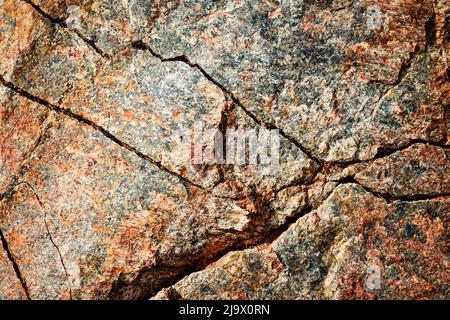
x=173 y=294
x=152 y=280
x=430 y=30
x=276 y=233
x=15 y=265
x=51 y=237
x=10 y=191
x=410 y=198
x=389 y=198
x=386 y=152
x=301 y=181
x=225 y=119
x=95 y=126
x=63 y=24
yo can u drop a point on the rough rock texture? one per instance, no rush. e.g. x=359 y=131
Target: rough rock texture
x=94 y=206
x=327 y=254
x=346 y=90
x=9 y=282
x=419 y=170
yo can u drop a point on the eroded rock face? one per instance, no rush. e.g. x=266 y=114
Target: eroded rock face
x=11 y=287
x=417 y=171
x=94 y=206
x=316 y=70
x=354 y=246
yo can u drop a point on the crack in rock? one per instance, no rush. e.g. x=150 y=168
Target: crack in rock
x=361 y=107
x=63 y=24
x=88 y=122
x=15 y=265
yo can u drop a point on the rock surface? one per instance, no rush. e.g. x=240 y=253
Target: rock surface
x=417 y=171
x=93 y=205
x=354 y=246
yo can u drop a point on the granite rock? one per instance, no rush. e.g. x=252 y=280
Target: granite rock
x=96 y=204
x=416 y=171
x=318 y=70
x=354 y=246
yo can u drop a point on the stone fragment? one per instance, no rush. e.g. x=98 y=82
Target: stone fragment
x=238 y=275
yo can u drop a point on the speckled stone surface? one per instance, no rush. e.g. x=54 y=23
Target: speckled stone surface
x=111 y=25
x=94 y=206
x=11 y=287
x=316 y=71
x=39 y=56
x=22 y=123
x=330 y=253
x=143 y=102
x=418 y=170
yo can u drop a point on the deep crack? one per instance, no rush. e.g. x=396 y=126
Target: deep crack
x=15 y=265
x=95 y=126
x=51 y=237
x=63 y=24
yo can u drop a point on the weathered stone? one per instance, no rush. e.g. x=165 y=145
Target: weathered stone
x=93 y=204
x=419 y=170
x=43 y=58
x=354 y=246
x=316 y=70
x=10 y=284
